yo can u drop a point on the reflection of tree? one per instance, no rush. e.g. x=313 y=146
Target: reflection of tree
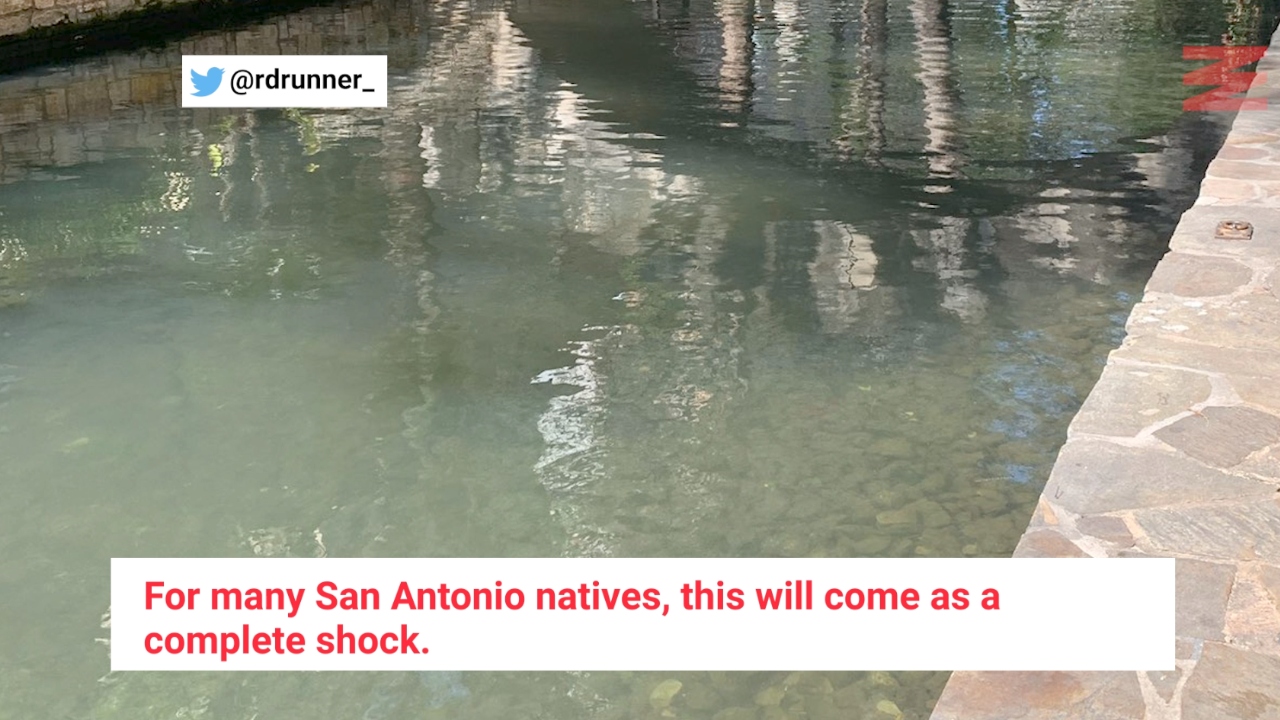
x=1244 y=18
x=409 y=220
x=862 y=118
x=1240 y=22
x=844 y=264
x=871 y=70
x=947 y=243
x=933 y=55
x=735 y=59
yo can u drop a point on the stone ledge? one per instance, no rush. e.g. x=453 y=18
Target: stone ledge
x=125 y=25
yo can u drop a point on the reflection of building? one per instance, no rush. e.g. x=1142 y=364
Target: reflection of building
x=478 y=124
x=766 y=59
x=527 y=143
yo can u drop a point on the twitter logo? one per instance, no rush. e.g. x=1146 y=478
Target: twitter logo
x=208 y=83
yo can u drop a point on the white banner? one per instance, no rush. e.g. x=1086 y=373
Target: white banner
x=642 y=614
x=284 y=81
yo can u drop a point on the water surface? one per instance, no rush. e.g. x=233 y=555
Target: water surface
x=797 y=278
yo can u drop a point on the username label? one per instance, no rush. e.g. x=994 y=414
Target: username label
x=284 y=81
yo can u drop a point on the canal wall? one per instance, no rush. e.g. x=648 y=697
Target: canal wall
x=20 y=16
x=1176 y=453
x=62 y=116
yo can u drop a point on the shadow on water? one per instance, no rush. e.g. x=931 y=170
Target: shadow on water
x=731 y=278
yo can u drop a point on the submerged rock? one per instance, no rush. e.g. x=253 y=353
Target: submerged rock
x=901 y=516
x=660 y=697
x=890 y=708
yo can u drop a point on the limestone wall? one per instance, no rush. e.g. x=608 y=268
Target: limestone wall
x=51 y=118
x=19 y=16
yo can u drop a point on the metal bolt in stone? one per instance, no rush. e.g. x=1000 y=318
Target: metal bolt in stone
x=1233 y=230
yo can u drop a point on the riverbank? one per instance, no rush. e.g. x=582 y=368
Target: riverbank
x=1176 y=453
x=22 y=16
x=41 y=32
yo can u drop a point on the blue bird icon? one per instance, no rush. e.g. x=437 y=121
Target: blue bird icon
x=207 y=83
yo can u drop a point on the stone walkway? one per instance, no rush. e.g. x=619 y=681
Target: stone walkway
x=1176 y=453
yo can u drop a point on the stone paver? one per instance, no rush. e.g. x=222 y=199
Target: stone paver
x=1231 y=684
x=1176 y=453
x=1222 y=436
x=1041 y=696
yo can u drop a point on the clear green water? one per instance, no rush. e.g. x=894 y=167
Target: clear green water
x=816 y=278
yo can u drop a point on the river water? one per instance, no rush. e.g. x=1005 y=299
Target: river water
x=758 y=278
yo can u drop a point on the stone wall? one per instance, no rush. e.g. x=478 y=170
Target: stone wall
x=19 y=16
x=60 y=117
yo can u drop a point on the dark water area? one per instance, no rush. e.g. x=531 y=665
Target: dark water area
x=801 y=278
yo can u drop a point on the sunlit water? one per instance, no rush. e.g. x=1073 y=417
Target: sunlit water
x=801 y=278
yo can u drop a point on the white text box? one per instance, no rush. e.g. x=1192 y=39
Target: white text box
x=1054 y=614
x=284 y=81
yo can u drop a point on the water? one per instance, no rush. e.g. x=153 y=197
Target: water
x=819 y=278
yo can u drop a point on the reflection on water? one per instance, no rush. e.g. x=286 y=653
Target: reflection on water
x=699 y=278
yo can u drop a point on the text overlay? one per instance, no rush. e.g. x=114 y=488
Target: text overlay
x=284 y=81
x=642 y=614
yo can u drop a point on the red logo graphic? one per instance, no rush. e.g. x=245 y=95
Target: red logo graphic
x=1220 y=73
